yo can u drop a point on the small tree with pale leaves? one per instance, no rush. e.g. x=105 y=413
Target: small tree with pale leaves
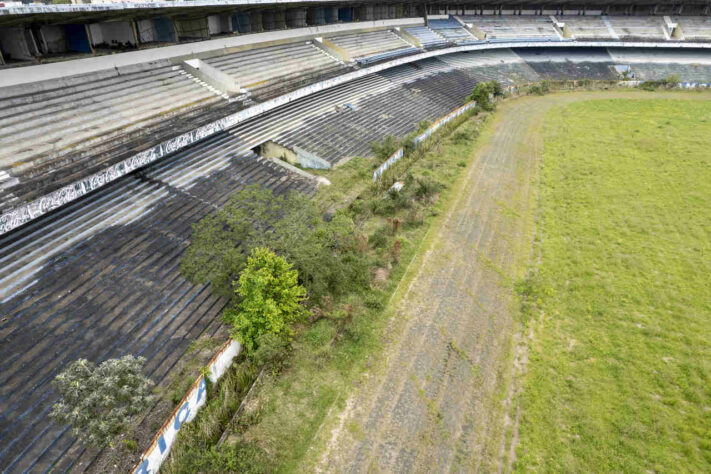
x=98 y=402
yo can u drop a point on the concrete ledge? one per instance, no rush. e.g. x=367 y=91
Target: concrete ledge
x=212 y=76
x=25 y=213
x=332 y=49
x=180 y=52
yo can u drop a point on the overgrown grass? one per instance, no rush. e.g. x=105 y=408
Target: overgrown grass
x=332 y=350
x=619 y=377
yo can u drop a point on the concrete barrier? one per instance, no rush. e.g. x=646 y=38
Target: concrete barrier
x=395 y=157
x=213 y=76
x=158 y=450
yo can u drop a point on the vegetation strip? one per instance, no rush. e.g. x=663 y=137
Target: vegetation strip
x=339 y=336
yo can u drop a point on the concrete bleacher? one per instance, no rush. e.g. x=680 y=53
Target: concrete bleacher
x=501 y=65
x=266 y=71
x=569 y=63
x=360 y=45
x=452 y=31
x=55 y=132
x=649 y=64
x=639 y=28
x=587 y=28
x=427 y=37
x=518 y=28
x=695 y=28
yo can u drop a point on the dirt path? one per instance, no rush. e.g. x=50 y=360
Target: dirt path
x=438 y=400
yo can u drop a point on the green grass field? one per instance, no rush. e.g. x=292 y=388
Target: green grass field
x=619 y=375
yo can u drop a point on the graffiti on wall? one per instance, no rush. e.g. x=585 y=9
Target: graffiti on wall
x=186 y=410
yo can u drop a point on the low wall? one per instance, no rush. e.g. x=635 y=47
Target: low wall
x=155 y=454
x=27 y=212
x=395 y=157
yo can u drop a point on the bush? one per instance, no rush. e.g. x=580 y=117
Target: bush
x=483 y=92
x=270 y=300
x=426 y=187
x=384 y=149
x=326 y=255
x=99 y=402
x=270 y=349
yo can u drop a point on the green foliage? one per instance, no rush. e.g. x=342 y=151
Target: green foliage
x=541 y=88
x=483 y=92
x=270 y=299
x=668 y=82
x=270 y=349
x=99 y=402
x=242 y=457
x=384 y=149
x=325 y=254
x=220 y=241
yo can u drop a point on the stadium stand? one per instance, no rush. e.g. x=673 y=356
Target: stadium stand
x=501 y=65
x=99 y=277
x=428 y=39
x=452 y=31
x=587 y=28
x=651 y=64
x=518 y=28
x=695 y=28
x=360 y=45
x=387 y=55
x=569 y=63
x=267 y=72
x=55 y=132
x=639 y=28
x=118 y=292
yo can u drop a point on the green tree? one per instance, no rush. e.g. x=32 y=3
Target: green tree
x=270 y=299
x=221 y=241
x=483 y=92
x=325 y=254
x=98 y=402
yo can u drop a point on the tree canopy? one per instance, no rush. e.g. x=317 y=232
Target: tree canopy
x=98 y=402
x=269 y=299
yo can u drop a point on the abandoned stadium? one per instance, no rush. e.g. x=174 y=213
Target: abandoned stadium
x=123 y=124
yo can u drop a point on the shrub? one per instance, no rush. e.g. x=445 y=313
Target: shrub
x=270 y=299
x=99 y=402
x=426 y=187
x=483 y=92
x=380 y=237
x=384 y=149
x=325 y=254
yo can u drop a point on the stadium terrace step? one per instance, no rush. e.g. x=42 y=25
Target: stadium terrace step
x=514 y=27
x=428 y=39
x=259 y=70
x=53 y=132
x=639 y=28
x=588 y=28
x=370 y=43
x=387 y=55
x=452 y=31
x=694 y=28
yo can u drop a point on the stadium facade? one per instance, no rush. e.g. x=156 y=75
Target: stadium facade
x=122 y=124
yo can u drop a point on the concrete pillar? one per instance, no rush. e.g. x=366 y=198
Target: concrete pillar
x=280 y=20
x=255 y=22
x=296 y=18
